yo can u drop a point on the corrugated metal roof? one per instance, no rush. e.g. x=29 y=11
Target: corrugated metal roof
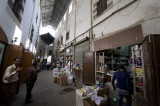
x=52 y=11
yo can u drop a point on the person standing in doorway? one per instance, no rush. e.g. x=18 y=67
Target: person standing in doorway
x=123 y=87
x=31 y=77
x=10 y=79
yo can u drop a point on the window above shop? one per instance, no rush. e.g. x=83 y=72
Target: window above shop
x=17 y=7
x=58 y=43
x=62 y=40
x=32 y=31
x=67 y=35
x=100 y=6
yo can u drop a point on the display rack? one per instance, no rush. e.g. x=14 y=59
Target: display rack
x=108 y=61
x=138 y=71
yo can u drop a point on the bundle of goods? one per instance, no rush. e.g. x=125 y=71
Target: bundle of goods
x=76 y=67
x=55 y=74
x=97 y=95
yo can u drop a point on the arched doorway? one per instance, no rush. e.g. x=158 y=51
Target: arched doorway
x=3 y=37
x=3 y=43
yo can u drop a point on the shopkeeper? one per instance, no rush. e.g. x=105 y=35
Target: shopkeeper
x=123 y=86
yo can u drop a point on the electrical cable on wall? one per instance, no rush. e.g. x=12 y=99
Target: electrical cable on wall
x=130 y=12
x=120 y=14
x=109 y=21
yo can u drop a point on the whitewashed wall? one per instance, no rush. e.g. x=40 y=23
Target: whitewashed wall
x=139 y=12
x=144 y=12
x=43 y=47
x=81 y=15
x=8 y=22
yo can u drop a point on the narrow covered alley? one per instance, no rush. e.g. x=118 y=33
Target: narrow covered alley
x=47 y=93
x=85 y=52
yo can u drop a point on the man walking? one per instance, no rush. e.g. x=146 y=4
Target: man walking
x=10 y=79
x=31 y=77
x=123 y=87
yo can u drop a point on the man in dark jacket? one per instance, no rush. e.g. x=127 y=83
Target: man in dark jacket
x=31 y=77
x=123 y=86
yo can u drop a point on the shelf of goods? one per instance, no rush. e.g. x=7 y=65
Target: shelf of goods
x=109 y=60
x=138 y=75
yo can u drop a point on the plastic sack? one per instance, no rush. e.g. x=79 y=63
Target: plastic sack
x=70 y=79
x=67 y=72
x=98 y=100
x=55 y=72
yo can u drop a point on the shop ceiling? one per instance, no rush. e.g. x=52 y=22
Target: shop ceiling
x=52 y=11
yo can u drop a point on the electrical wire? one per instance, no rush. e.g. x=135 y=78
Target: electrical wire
x=120 y=14
x=109 y=21
x=130 y=12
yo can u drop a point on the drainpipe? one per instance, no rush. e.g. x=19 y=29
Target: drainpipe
x=74 y=41
x=91 y=31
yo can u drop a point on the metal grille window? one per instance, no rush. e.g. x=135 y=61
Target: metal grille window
x=101 y=6
x=50 y=52
x=67 y=36
x=58 y=43
x=31 y=37
x=17 y=6
x=61 y=40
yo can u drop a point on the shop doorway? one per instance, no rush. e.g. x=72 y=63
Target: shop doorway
x=131 y=56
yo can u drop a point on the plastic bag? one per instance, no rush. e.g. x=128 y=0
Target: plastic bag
x=55 y=72
x=98 y=100
x=70 y=79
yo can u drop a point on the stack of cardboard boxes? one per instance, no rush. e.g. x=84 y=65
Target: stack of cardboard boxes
x=60 y=80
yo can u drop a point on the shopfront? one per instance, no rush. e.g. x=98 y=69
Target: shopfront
x=127 y=48
x=81 y=47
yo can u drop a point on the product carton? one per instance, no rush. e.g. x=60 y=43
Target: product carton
x=63 y=81
x=54 y=79
x=103 y=92
x=88 y=102
x=58 y=80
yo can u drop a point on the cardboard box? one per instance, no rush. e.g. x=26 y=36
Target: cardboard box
x=63 y=81
x=58 y=80
x=54 y=79
x=103 y=92
x=88 y=102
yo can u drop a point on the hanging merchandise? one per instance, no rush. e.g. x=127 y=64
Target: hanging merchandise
x=76 y=67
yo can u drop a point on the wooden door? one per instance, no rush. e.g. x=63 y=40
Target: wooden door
x=151 y=57
x=27 y=62
x=155 y=50
x=89 y=68
x=3 y=36
x=11 y=52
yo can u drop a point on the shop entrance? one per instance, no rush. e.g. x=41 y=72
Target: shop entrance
x=108 y=61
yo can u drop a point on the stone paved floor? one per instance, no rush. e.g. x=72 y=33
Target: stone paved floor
x=47 y=93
